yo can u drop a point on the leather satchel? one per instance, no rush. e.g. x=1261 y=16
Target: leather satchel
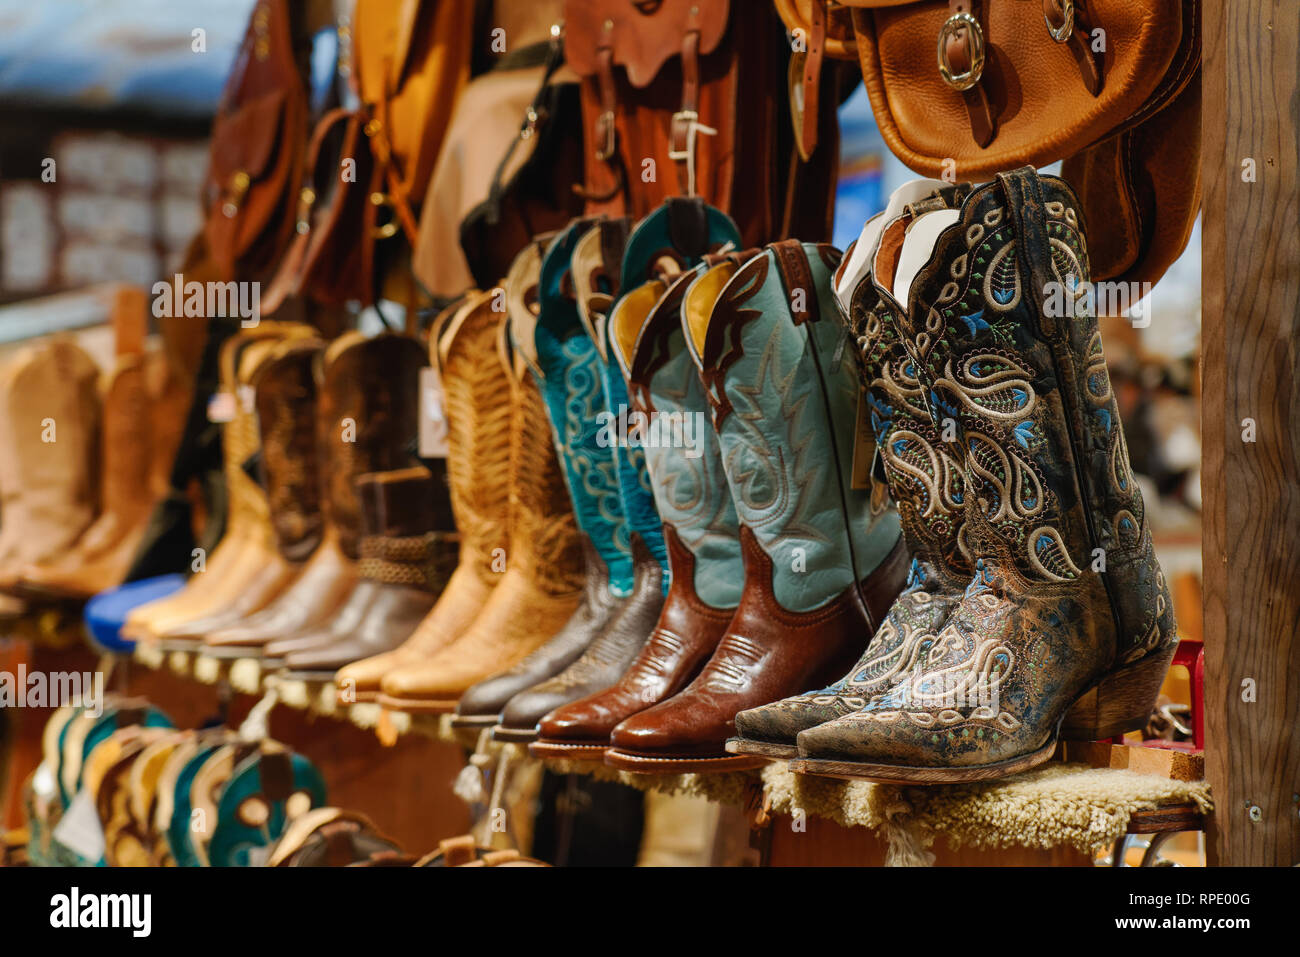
x=968 y=88
x=694 y=87
x=412 y=57
x=256 y=152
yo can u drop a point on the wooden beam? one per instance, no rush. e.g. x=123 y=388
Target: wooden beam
x=1251 y=428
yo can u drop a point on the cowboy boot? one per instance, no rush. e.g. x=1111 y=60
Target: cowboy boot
x=700 y=526
x=264 y=571
x=49 y=429
x=924 y=481
x=368 y=423
x=563 y=361
x=223 y=573
x=541 y=585
x=612 y=647
x=1066 y=627
x=101 y=556
x=407 y=550
x=823 y=555
x=291 y=471
x=476 y=396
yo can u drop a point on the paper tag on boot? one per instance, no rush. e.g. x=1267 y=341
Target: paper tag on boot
x=79 y=830
x=433 y=419
x=864 y=446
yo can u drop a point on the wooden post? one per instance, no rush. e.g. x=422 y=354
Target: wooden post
x=1250 y=345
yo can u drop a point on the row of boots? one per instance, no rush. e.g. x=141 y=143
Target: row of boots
x=705 y=507
x=85 y=454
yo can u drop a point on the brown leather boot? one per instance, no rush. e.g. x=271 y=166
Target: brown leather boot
x=225 y=573
x=476 y=395
x=100 y=557
x=542 y=582
x=408 y=551
x=369 y=423
x=49 y=436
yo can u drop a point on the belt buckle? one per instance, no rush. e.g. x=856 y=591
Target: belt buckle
x=975 y=43
x=684 y=121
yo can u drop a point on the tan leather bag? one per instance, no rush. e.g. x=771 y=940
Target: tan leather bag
x=964 y=89
x=256 y=152
x=412 y=57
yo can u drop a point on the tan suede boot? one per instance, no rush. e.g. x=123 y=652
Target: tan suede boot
x=223 y=574
x=476 y=391
x=542 y=581
x=99 y=558
x=49 y=435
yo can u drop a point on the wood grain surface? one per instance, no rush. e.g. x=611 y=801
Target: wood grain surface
x=1251 y=490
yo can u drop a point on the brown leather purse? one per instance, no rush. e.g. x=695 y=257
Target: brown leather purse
x=412 y=57
x=256 y=150
x=964 y=89
x=696 y=87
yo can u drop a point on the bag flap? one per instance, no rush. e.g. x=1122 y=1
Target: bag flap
x=643 y=35
x=839 y=41
x=245 y=140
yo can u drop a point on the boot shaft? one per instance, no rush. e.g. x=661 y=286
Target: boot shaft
x=783 y=393
x=566 y=363
x=406 y=535
x=681 y=448
x=1008 y=354
x=127 y=452
x=544 y=540
x=477 y=396
x=597 y=279
x=285 y=388
x=369 y=408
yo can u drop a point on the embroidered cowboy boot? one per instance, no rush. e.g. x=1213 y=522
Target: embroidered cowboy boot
x=612 y=647
x=222 y=575
x=408 y=551
x=368 y=422
x=476 y=394
x=700 y=526
x=563 y=360
x=542 y=580
x=924 y=481
x=49 y=431
x=294 y=430
x=1066 y=627
x=823 y=557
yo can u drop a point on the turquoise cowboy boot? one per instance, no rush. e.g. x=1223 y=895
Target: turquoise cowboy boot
x=570 y=373
x=924 y=480
x=823 y=556
x=699 y=520
x=1066 y=626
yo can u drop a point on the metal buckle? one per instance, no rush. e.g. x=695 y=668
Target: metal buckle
x=1062 y=33
x=685 y=120
x=389 y=228
x=605 y=131
x=974 y=41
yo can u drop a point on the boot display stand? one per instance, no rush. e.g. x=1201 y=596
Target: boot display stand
x=576 y=500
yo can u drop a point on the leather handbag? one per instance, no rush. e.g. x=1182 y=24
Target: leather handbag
x=256 y=152
x=695 y=88
x=964 y=89
x=411 y=59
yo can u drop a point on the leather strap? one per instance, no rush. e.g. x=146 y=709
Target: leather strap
x=983 y=123
x=796 y=274
x=812 y=71
x=688 y=226
x=1027 y=209
x=686 y=121
x=276 y=773
x=1075 y=19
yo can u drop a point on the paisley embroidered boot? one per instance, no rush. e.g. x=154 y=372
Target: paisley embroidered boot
x=823 y=559
x=924 y=480
x=1066 y=627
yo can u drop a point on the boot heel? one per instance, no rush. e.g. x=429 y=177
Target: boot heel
x=1120 y=702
